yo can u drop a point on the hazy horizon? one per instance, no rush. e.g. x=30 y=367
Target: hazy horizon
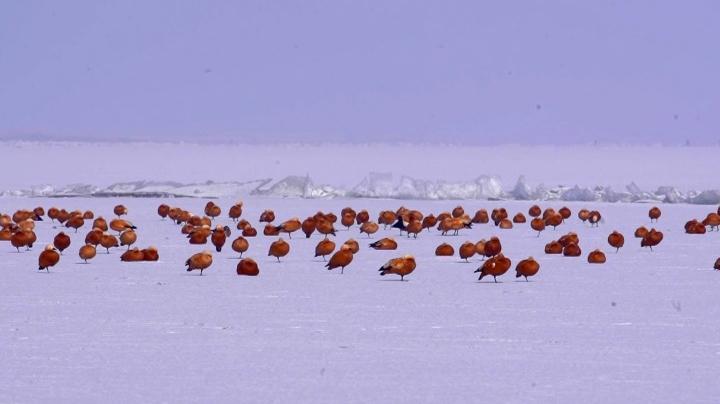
x=531 y=72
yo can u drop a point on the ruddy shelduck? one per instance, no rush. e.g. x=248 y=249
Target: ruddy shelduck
x=128 y=238
x=87 y=252
x=444 y=250
x=279 y=248
x=48 y=258
x=654 y=214
x=596 y=257
x=572 y=250
x=402 y=266
x=308 y=226
x=616 y=240
x=108 y=241
x=353 y=244
x=120 y=210
x=324 y=247
x=150 y=254
x=495 y=266
x=133 y=255
x=61 y=242
x=247 y=267
x=527 y=267
x=267 y=216
x=240 y=245
x=200 y=261
x=369 y=228
x=340 y=259
x=218 y=236
x=538 y=225
x=290 y=226
x=466 y=251
x=387 y=243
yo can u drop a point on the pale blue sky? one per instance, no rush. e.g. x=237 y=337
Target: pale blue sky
x=450 y=71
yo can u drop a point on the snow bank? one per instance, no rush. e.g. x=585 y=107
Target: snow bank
x=376 y=185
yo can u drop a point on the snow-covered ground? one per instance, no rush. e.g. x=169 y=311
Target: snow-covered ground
x=419 y=171
x=644 y=327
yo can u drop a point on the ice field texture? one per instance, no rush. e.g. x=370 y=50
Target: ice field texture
x=644 y=327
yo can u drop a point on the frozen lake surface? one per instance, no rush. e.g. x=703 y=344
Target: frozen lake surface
x=644 y=327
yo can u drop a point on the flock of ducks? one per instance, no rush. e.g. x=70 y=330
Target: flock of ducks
x=18 y=230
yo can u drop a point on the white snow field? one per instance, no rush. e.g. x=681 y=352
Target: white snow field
x=348 y=165
x=644 y=327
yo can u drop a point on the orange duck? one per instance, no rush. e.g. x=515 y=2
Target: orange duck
x=48 y=258
x=248 y=267
x=324 y=247
x=495 y=266
x=120 y=210
x=87 y=252
x=163 y=210
x=584 y=215
x=134 y=255
x=527 y=267
x=289 y=226
x=308 y=226
x=212 y=210
x=538 y=225
x=200 y=261
x=553 y=247
x=492 y=247
x=572 y=250
x=444 y=250
x=347 y=217
x=61 y=242
x=534 y=211
x=240 y=245
x=387 y=218
x=429 y=222
x=94 y=236
x=652 y=239
x=100 y=223
x=641 y=231
x=199 y=235
x=362 y=217
x=325 y=227
x=340 y=259
x=384 y=244
x=402 y=266
x=271 y=230
x=596 y=257
x=565 y=212
x=150 y=254
x=108 y=241
x=466 y=251
x=654 y=214
x=235 y=211
x=413 y=227
x=354 y=246
x=128 y=238
x=694 y=227
x=267 y=216
x=279 y=248
x=616 y=240
x=369 y=228
x=481 y=217
x=120 y=225
x=218 y=237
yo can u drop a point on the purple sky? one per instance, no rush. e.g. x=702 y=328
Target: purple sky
x=451 y=71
